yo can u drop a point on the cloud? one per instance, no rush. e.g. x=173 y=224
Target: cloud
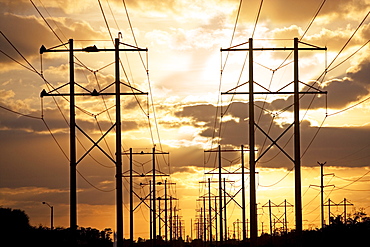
x=361 y=72
x=235 y=132
x=301 y=11
x=25 y=30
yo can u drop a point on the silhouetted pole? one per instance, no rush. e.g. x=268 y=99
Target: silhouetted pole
x=216 y=233
x=270 y=214
x=345 y=210
x=151 y=210
x=131 y=203
x=119 y=200
x=243 y=197
x=329 y=210
x=201 y=229
x=72 y=139
x=204 y=220
x=225 y=204
x=159 y=217
x=322 y=193
x=220 y=192
x=210 y=210
x=286 y=219
x=297 y=145
x=171 y=219
x=252 y=163
x=165 y=211
x=154 y=203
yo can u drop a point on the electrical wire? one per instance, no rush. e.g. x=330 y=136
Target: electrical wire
x=336 y=66
x=56 y=35
x=350 y=38
x=350 y=107
x=55 y=140
x=218 y=106
x=354 y=181
x=92 y=185
x=106 y=22
x=258 y=15
x=19 y=113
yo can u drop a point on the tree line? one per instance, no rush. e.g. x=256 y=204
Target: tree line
x=15 y=230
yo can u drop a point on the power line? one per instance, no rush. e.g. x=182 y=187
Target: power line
x=21 y=114
x=350 y=38
x=286 y=175
x=15 y=48
x=106 y=22
x=55 y=140
x=92 y=185
x=52 y=19
x=349 y=56
x=258 y=15
x=354 y=181
x=350 y=107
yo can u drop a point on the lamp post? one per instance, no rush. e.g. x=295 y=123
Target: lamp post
x=51 y=215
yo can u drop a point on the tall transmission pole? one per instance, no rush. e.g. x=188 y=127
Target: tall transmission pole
x=252 y=159
x=117 y=160
x=296 y=159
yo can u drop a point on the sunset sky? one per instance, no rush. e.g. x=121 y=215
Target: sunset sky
x=184 y=113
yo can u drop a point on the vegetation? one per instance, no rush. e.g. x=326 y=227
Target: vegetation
x=15 y=230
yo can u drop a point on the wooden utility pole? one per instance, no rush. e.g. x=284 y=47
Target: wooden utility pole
x=296 y=159
x=117 y=160
x=209 y=211
x=322 y=186
x=221 y=209
x=150 y=194
x=220 y=193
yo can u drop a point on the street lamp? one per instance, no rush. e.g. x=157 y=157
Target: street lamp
x=51 y=214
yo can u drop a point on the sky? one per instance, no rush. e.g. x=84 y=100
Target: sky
x=184 y=114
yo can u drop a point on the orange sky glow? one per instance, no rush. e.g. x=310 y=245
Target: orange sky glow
x=184 y=114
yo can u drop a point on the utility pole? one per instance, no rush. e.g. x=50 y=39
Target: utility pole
x=222 y=215
x=243 y=196
x=322 y=186
x=154 y=200
x=225 y=206
x=282 y=219
x=296 y=159
x=252 y=158
x=210 y=211
x=73 y=157
x=343 y=203
x=165 y=211
x=151 y=195
x=72 y=144
x=131 y=202
x=220 y=192
x=204 y=220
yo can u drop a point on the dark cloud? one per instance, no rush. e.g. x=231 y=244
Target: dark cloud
x=340 y=92
x=329 y=143
x=201 y=113
x=361 y=72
